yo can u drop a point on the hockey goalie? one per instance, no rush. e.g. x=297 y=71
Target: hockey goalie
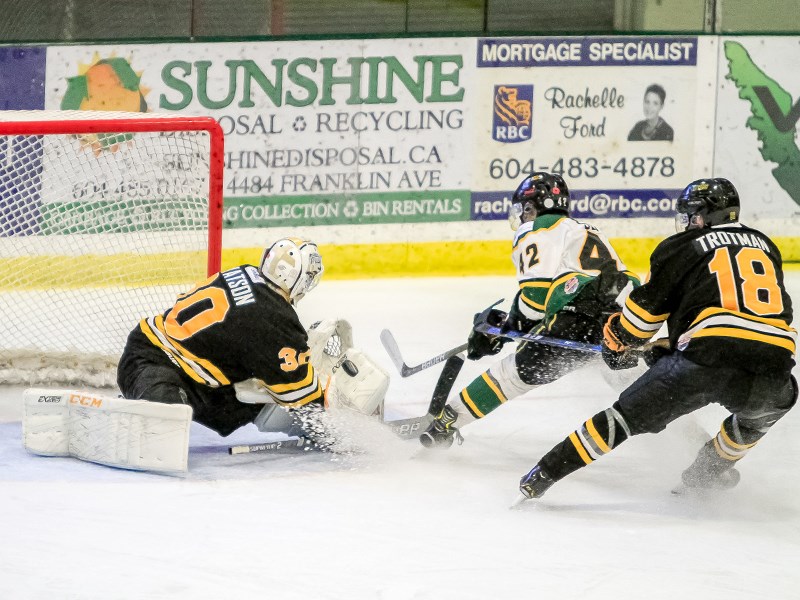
x=192 y=361
x=154 y=436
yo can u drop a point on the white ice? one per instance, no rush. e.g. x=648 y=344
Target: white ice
x=400 y=522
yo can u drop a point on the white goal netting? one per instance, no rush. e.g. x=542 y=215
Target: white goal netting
x=104 y=219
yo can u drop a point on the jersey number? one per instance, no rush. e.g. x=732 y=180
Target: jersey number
x=532 y=254
x=216 y=306
x=594 y=253
x=291 y=360
x=760 y=292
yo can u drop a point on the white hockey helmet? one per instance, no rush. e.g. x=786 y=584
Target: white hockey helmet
x=294 y=265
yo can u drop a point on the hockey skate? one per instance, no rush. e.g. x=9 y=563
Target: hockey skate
x=708 y=472
x=535 y=483
x=442 y=431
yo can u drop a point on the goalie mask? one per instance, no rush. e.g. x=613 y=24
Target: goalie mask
x=539 y=193
x=294 y=265
x=707 y=202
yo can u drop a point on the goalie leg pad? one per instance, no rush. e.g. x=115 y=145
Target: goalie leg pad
x=276 y=419
x=132 y=434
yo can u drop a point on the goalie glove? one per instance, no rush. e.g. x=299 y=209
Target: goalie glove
x=351 y=379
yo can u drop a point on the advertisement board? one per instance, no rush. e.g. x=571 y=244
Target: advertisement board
x=388 y=143
x=756 y=136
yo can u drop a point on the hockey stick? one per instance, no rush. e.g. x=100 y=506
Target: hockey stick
x=296 y=445
x=512 y=334
x=392 y=349
x=411 y=428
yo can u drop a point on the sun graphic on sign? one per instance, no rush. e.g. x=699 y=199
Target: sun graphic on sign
x=108 y=84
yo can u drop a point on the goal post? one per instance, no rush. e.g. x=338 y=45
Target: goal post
x=104 y=219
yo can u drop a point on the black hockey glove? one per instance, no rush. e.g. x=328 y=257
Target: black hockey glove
x=619 y=360
x=483 y=344
x=615 y=354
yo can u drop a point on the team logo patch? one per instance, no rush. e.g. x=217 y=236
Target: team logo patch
x=513 y=110
x=571 y=286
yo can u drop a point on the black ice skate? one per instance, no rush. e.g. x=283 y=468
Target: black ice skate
x=535 y=483
x=709 y=471
x=442 y=431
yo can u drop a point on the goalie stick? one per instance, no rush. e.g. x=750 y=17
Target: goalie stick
x=404 y=428
x=413 y=427
x=296 y=445
x=393 y=350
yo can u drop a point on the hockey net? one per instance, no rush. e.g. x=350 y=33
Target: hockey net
x=104 y=219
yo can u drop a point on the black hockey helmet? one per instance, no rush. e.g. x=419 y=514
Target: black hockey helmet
x=539 y=193
x=716 y=200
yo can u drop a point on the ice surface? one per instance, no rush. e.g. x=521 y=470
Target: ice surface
x=401 y=522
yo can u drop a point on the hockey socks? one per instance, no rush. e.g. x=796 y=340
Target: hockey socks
x=596 y=437
x=491 y=389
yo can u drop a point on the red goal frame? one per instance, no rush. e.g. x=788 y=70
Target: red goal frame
x=76 y=126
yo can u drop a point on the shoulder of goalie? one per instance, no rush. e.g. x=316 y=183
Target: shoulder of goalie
x=350 y=378
x=131 y=434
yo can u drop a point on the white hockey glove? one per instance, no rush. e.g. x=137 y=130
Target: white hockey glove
x=351 y=378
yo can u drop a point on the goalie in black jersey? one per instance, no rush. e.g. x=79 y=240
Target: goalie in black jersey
x=237 y=325
x=718 y=286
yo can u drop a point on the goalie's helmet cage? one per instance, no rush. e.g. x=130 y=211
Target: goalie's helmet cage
x=294 y=265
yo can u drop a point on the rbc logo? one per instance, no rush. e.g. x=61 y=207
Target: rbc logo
x=512 y=113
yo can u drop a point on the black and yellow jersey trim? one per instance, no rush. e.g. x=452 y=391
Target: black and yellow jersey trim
x=639 y=322
x=199 y=369
x=725 y=323
x=300 y=393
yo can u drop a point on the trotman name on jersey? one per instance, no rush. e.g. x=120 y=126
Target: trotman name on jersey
x=715 y=239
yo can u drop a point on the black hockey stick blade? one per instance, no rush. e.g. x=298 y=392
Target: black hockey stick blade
x=412 y=428
x=392 y=349
x=445 y=384
x=296 y=445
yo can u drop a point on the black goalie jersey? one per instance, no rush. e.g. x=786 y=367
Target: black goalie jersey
x=722 y=296
x=234 y=327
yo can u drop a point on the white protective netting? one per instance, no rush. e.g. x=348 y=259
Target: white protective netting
x=98 y=228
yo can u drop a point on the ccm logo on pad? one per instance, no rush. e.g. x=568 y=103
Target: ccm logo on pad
x=85 y=400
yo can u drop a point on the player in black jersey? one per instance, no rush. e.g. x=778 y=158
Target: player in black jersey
x=718 y=286
x=237 y=325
